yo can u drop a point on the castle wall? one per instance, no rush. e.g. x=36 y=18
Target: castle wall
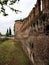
x=36 y=9
x=34 y=40
x=17 y=26
x=45 y=5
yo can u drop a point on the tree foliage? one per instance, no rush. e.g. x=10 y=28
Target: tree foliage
x=7 y=3
x=7 y=33
x=10 y=32
x=43 y=16
x=0 y=34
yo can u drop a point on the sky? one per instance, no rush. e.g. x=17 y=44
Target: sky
x=23 y=5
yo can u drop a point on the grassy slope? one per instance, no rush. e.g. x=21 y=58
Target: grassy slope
x=12 y=54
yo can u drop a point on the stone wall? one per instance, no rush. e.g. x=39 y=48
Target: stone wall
x=45 y=5
x=33 y=34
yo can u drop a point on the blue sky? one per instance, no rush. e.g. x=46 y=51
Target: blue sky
x=24 y=5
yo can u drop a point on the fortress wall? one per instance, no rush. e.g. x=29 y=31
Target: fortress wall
x=34 y=41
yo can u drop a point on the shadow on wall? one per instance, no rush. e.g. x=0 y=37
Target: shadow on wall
x=47 y=30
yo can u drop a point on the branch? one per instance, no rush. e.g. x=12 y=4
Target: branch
x=5 y=2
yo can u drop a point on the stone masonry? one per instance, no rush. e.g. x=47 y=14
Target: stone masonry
x=33 y=32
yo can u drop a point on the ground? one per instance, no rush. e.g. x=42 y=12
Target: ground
x=11 y=53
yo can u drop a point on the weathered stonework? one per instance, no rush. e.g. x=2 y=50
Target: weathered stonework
x=33 y=32
x=45 y=5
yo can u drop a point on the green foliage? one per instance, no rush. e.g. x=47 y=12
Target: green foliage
x=5 y=2
x=12 y=54
x=16 y=11
x=10 y=32
x=5 y=14
x=7 y=33
x=43 y=16
x=0 y=34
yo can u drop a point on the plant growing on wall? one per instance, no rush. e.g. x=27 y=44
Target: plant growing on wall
x=43 y=16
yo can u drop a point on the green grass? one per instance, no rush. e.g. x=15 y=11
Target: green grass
x=1 y=42
x=11 y=53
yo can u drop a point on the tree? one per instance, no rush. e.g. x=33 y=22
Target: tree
x=7 y=3
x=10 y=32
x=7 y=33
x=0 y=34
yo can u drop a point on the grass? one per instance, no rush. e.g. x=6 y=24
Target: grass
x=11 y=53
